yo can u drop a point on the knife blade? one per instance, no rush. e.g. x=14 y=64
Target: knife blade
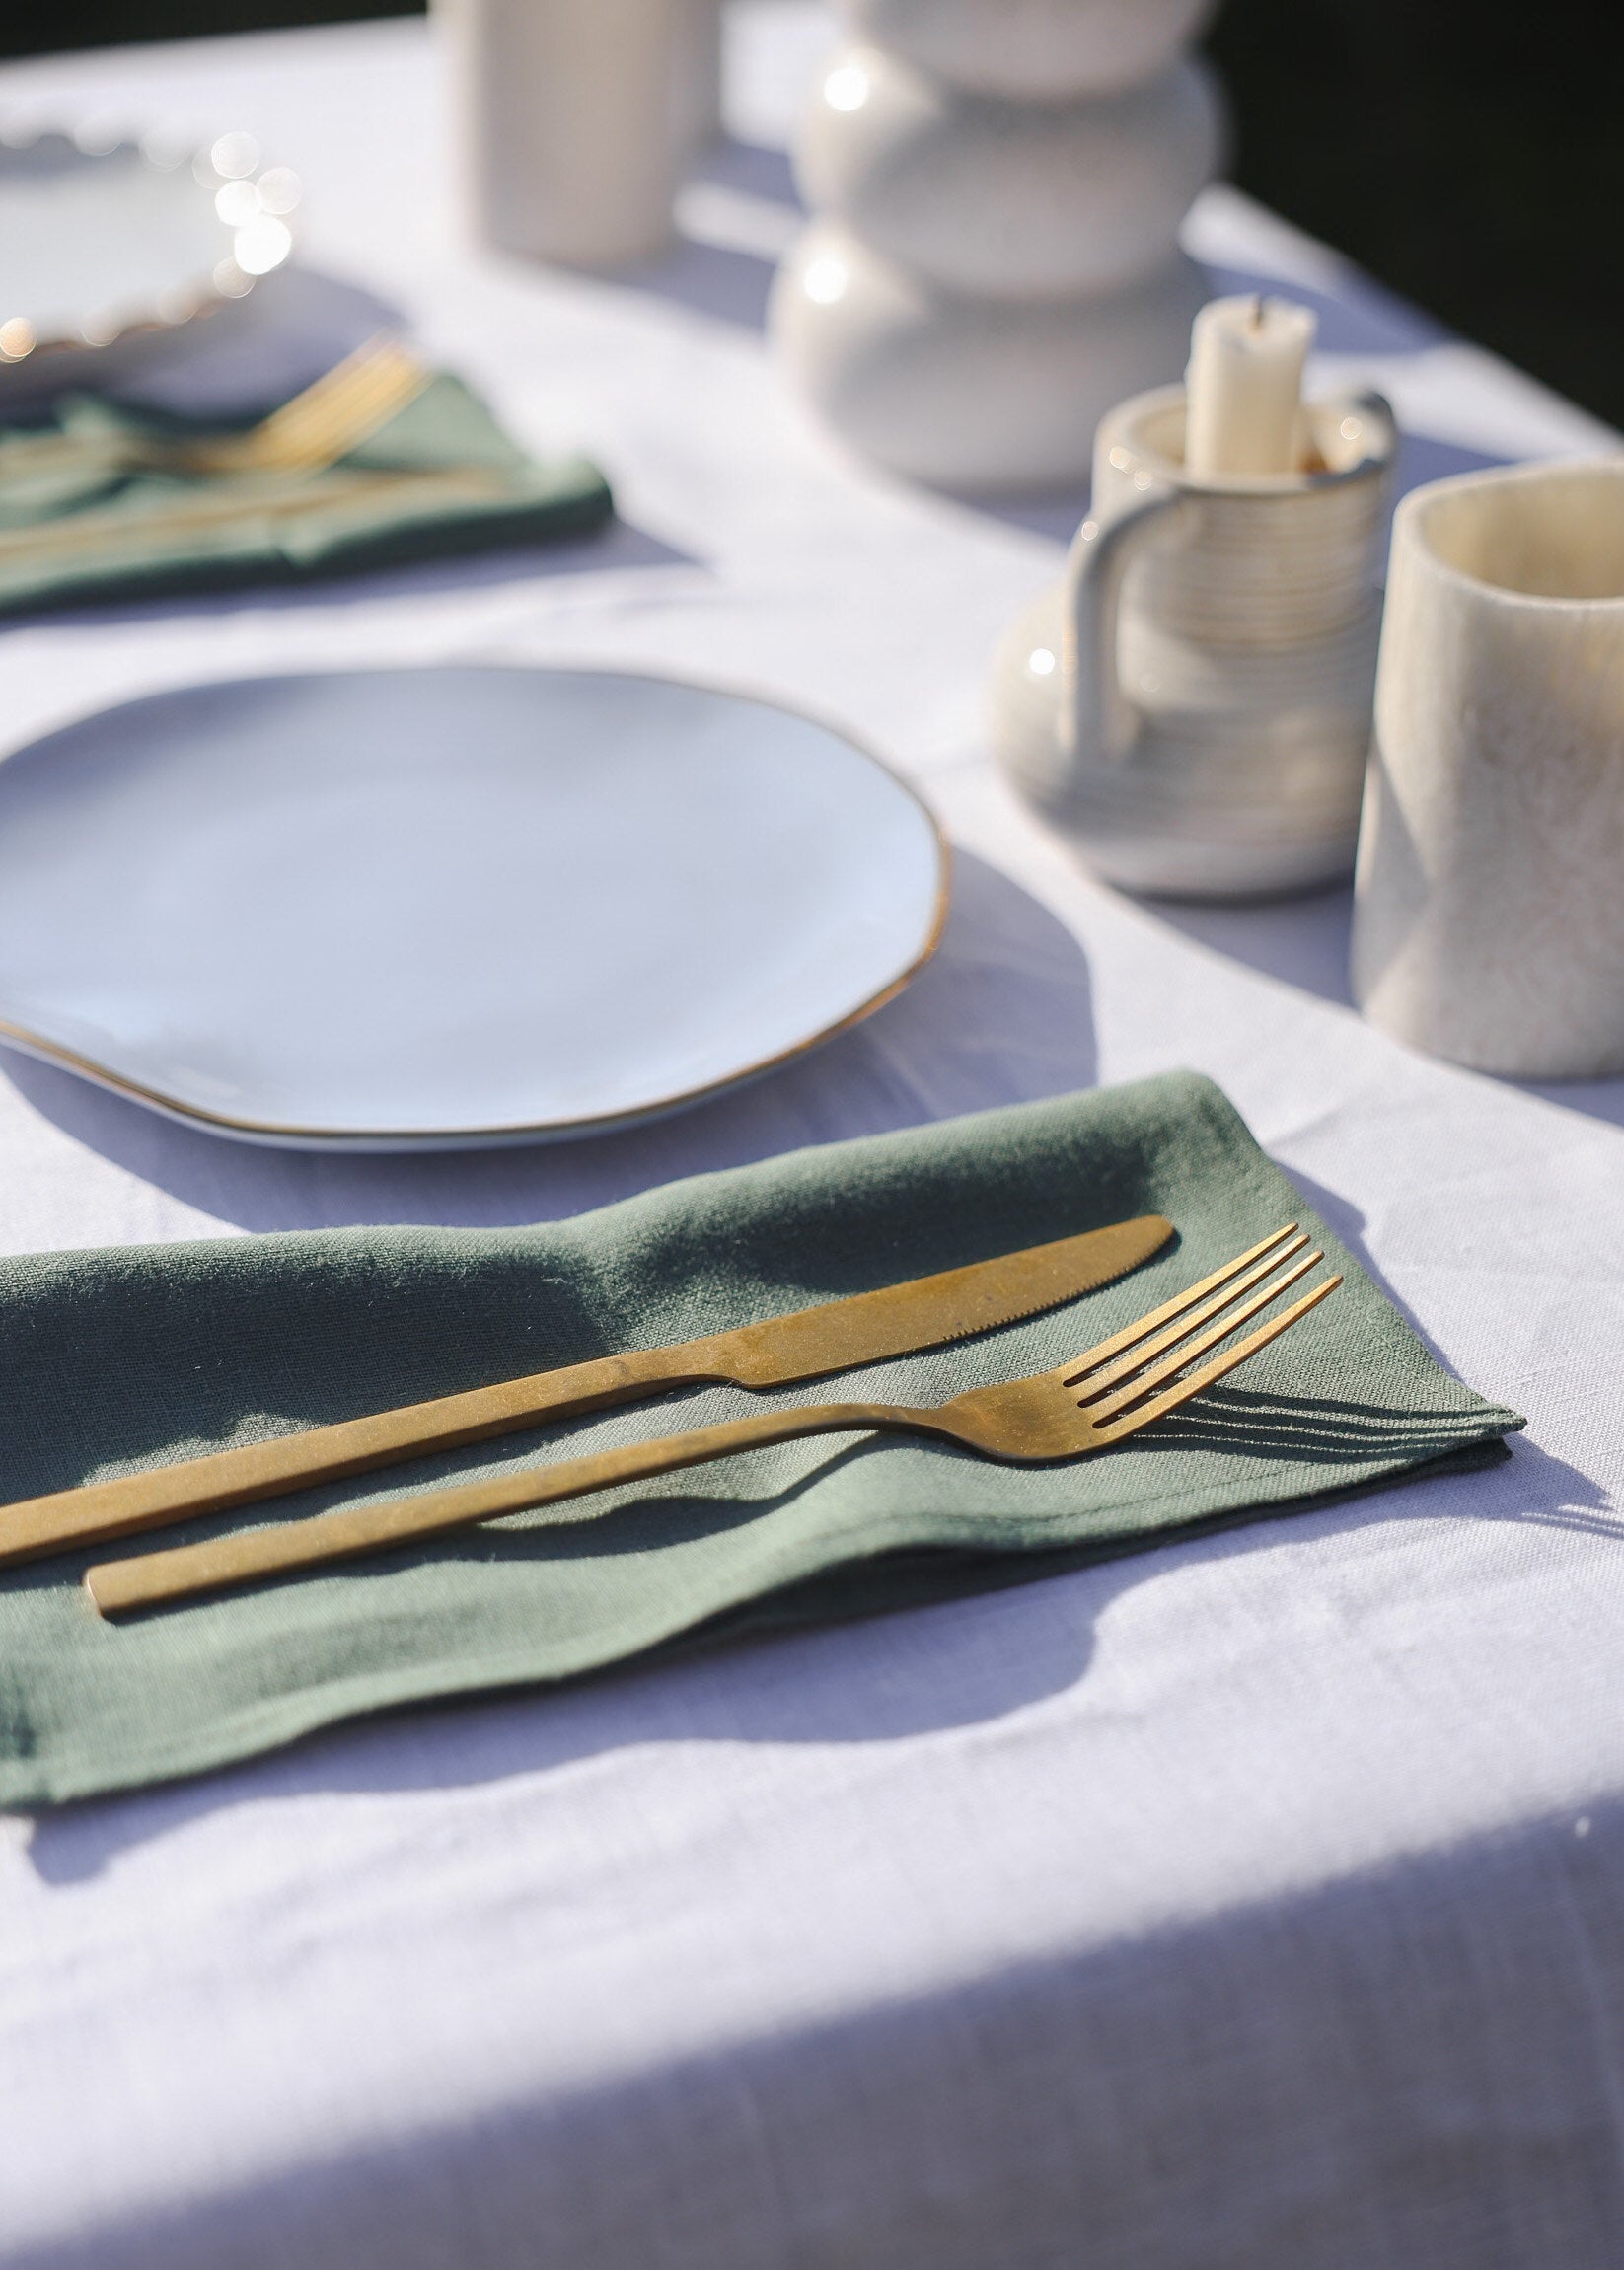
x=783 y=1351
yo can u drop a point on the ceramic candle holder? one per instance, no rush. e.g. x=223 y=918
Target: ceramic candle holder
x=1191 y=702
x=1488 y=912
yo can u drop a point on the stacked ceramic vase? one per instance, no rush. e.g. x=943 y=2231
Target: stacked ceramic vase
x=997 y=188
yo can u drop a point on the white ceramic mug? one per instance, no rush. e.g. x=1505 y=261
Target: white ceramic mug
x=1191 y=701
x=1489 y=916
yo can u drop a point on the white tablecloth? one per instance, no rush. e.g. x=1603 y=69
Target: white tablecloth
x=1257 y=1901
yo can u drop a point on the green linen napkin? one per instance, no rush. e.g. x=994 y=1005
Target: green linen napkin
x=440 y=478
x=119 y=1360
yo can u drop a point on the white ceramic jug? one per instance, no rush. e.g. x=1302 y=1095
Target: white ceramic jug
x=1191 y=702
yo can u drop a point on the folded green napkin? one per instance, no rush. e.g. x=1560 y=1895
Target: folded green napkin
x=119 y=1360
x=441 y=477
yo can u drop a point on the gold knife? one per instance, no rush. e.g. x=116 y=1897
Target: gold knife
x=807 y=1344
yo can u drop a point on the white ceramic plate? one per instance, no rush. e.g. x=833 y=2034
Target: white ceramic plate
x=109 y=253
x=422 y=909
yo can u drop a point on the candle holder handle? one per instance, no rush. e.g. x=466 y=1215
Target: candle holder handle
x=1097 y=724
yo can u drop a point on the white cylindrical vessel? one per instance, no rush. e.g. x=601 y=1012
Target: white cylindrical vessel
x=567 y=124
x=1489 y=911
x=696 y=75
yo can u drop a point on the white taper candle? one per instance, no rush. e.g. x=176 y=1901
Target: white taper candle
x=1245 y=386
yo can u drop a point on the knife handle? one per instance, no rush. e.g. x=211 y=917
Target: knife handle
x=101 y=1510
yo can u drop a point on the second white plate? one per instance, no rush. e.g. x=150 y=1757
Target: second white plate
x=426 y=908
x=109 y=256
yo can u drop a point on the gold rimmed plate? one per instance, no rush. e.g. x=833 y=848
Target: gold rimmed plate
x=429 y=908
x=110 y=251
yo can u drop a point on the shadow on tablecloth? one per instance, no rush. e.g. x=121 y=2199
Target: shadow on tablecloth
x=970 y=1661
x=1304 y=942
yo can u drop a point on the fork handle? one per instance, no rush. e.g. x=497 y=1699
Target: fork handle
x=146 y=1581
x=102 y=1510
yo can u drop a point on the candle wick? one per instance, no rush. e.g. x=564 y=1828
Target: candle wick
x=1256 y=315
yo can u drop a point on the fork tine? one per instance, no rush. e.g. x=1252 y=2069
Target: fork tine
x=1097 y=1378
x=339 y=425
x=344 y=405
x=1107 y=1406
x=1183 y=1389
x=368 y=365
x=380 y=379
x=1170 y=1365
x=1144 y=1325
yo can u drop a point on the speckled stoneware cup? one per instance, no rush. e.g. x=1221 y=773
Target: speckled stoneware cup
x=1489 y=915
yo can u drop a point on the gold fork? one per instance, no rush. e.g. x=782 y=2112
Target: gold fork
x=1097 y=1399
x=343 y=407
x=335 y=415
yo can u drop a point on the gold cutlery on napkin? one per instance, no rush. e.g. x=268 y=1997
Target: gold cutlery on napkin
x=782 y=1352
x=271 y=466
x=1087 y=1403
x=104 y=530
x=335 y=413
